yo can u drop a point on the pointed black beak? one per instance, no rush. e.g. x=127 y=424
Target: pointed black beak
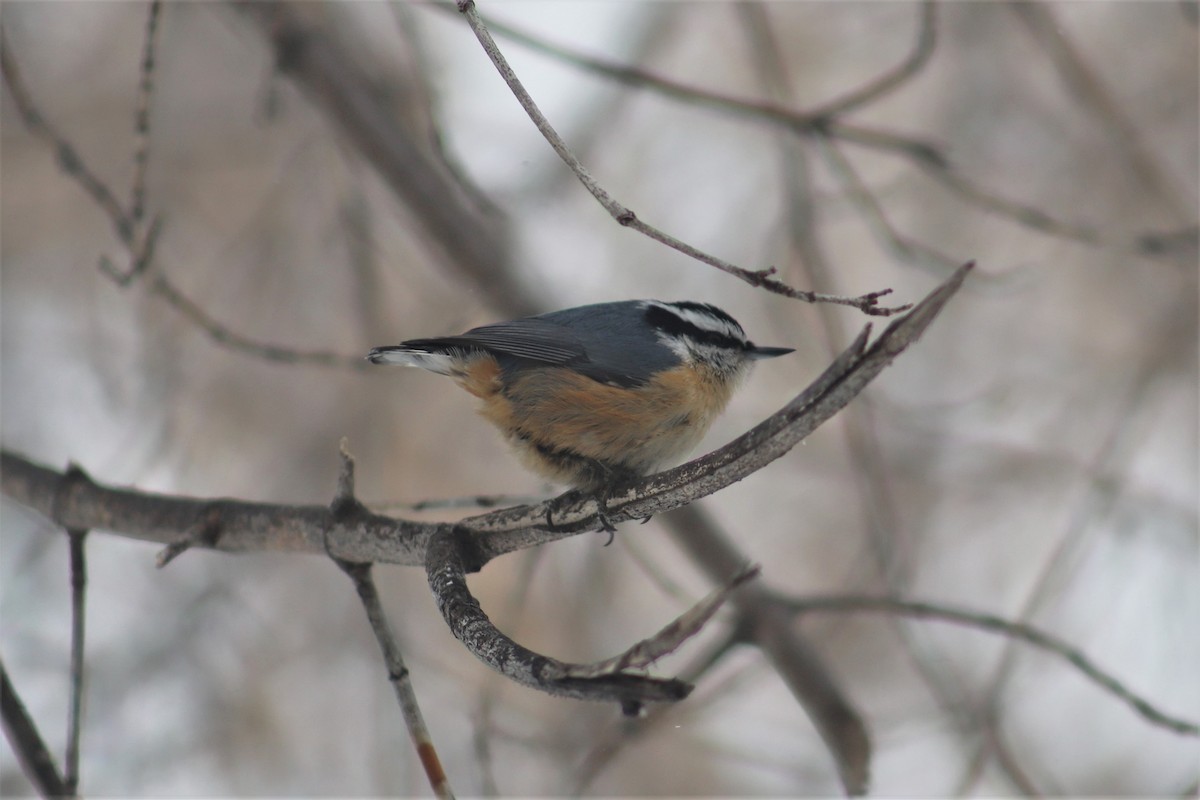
x=759 y=353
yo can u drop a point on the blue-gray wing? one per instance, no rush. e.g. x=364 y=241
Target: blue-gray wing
x=607 y=342
x=533 y=338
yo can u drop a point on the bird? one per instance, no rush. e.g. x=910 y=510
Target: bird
x=597 y=395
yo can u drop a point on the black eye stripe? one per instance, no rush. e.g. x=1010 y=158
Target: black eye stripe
x=674 y=325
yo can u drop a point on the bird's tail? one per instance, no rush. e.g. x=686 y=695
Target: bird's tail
x=413 y=354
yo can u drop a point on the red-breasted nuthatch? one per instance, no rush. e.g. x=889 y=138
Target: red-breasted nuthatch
x=596 y=395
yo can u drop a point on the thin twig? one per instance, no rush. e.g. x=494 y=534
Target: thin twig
x=344 y=503
x=27 y=744
x=78 y=613
x=867 y=303
x=142 y=251
x=798 y=663
x=871 y=211
x=141 y=154
x=1016 y=630
x=915 y=62
x=68 y=157
x=1084 y=84
x=643 y=654
x=399 y=676
x=205 y=533
x=639 y=78
x=929 y=157
x=1176 y=245
x=626 y=734
x=231 y=339
x=1126 y=429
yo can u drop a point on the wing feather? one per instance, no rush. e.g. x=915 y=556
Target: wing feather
x=532 y=338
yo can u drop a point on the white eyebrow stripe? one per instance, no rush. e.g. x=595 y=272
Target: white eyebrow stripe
x=703 y=321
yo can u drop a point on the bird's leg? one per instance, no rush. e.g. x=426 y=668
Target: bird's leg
x=600 y=482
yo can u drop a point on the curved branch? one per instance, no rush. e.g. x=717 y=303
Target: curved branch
x=880 y=86
x=74 y=500
x=445 y=566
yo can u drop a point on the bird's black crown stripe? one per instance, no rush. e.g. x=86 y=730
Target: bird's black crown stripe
x=672 y=324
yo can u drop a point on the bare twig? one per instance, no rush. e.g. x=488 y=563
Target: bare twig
x=1084 y=84
x=643 y=654
x=27 y=744
x=1127 y=428
x=141 y=250
x=871 y=211
x=1017 y=630
x=764 y=621
x=639 y=78
x=227 y=337
x=893 y=79
x=625 y=733
x=69 y=159
x=868 y=303
x=126 y=224
x=205 y=533
x=78 y=613
x=344 y=504
x=929 y=157
x=399 y=676
x=141 y=156
x=887 y=538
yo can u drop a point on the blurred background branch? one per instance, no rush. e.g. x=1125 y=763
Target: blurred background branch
x=1037 y=460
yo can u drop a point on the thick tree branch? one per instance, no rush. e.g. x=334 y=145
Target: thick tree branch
x=74 y=500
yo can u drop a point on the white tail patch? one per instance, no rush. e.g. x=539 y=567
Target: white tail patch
x=440 y=363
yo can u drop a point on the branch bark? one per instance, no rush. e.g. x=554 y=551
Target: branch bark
x=614 y=680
